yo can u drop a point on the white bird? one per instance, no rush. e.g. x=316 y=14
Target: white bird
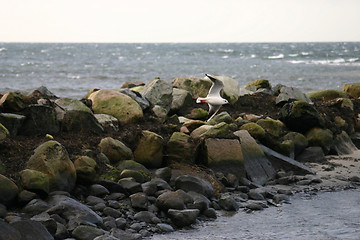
x=213 y=99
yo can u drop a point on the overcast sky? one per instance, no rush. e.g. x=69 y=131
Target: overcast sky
x=179 y=21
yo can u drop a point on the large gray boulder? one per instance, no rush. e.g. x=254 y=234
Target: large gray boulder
x=257 y=166
x=224 y=155
x=288 y=94
x=190 y=183
x=181 y=97
x=73 y=211
x=52 y=159
x=77 y=116
x=117 y=104
x=158 y=92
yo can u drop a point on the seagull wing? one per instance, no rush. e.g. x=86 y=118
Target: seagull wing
x=213 y=108
x=216 y=87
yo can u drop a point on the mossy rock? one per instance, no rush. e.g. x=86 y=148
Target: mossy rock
x=111 y=175
x=353 y=89
x=8 y=190
x=115 y=150
x=319 y=137
x=12 y=102
x=275 y=128
x=299 y=140
x=137 y=175
x=255 y=130
x=326 y=95
x=198 y=87
x=35 y=181
x=257 y=84
x=180 y=148
x=221 y=117
x=220 y=130
x=117 y=104
x=197 y=113
x=86 y=169
x=285 y=147
x=149 y=150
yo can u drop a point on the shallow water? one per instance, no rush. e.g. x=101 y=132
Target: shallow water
x=327 y=215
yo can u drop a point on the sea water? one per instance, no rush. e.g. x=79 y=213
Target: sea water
x=71 y=69
x=325 y=216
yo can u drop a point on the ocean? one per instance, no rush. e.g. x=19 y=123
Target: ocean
x=71 y=69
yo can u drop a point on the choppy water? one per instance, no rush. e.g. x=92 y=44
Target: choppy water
x=70 y=70
x=326 y=216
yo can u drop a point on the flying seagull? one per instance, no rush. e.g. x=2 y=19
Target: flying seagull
x=213 y=99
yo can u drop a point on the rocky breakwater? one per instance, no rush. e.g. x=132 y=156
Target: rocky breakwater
x=133 y=162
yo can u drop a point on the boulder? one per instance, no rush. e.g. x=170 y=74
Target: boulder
x=182 y=218
x=198 y=132
x=129 y=173
x=144 y=104
x=108 y=122
x=224 y=155
x=132 y=165
x=257 y=84
x=117 y=104
x=228 y=203
x=158 y=92
x=4 y=133
x=40 y=119
x=258 y=168
x=84 y=232
x=255 y=130
x=311 y=154
x=85 y=169
x=320 y=137
x=12 y=122
x=194 y=184
x=8 y=190
x=343 y=145
x=160 y=113
x=139 y=200
x=180 y=148
x=32 y=230
x=77 y=116
x=149 y=150
x=115 y=150
x=200 y=201
x=353 y=89
x=300 y=116
x=8 y=232
x=198 y=87
x=173 y=200
x=193 y=124
x=288 y=94
x=326 y=95
x=73 y=211
x=130 y=186
x=35 y=181
x=299 y=140
x=12 y=102
x=221 y=117
x=163 y=173
x=145 y=216
x=219 y=130
x=52 y=159
x=275 y=128
x=181 y=98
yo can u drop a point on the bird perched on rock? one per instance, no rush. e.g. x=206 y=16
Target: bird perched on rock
x=213 y=99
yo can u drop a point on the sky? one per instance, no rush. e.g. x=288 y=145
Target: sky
x=179 y=21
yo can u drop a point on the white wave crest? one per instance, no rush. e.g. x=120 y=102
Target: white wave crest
x=280 y=56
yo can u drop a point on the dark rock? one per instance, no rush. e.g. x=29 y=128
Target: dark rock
x=300 y=116
x=354 y=179
x=40 y=119
x=130 y=186
x=120 y=222
x=93 y=200
x=8 y=190
x=121 y=234
x=210 y=213
x=164 y=173
x=195 y=184
x=32 y=230
x=108 y=211
x=228 y=203
x=36 y=206
x=254 y=206
x=129 y=173
x=112 y=186
x=312 y=154
x=288 y=94
x=199 y=201
x=182 y=218
x=163 y=227
x=255 y=195
x=98 y=190
x=343 y=145
x=84 y=232
x=44 y=219
x=12 y=122
x=8 y=232
x=172 y=200
x=61 y=231
x=139 y=200
x=146 y=216
x=279 y=198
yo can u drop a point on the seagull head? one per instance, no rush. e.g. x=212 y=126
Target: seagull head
x=226 y=101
